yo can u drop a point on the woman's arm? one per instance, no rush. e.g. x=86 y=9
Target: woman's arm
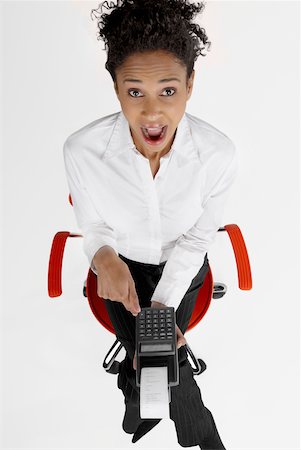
x=95 y=231
x=188 y=254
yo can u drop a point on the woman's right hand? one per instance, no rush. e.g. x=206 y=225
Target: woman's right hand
x=115 y=282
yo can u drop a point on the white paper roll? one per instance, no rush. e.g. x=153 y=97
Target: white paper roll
x=154 y=393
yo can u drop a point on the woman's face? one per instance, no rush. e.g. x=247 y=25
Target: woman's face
x=152 y=91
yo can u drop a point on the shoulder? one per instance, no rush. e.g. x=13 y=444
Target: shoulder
x=92 y=137
x=210 y=142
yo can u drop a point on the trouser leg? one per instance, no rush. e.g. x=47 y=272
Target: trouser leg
x=213 y=441
x=194 y=422
x=145 y=278
x=124 y=326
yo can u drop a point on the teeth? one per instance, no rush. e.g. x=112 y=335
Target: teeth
x=153 y=131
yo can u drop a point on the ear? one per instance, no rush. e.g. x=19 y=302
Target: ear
x=190 y=84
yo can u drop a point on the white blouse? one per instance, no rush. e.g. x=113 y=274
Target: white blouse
x=173 y=217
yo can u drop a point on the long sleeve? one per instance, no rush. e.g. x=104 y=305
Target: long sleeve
x=96 y=233
x=190 y=249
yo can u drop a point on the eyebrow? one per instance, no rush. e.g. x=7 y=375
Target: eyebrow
x=164 y=80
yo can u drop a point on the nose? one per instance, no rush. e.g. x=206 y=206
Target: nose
x=152 y=110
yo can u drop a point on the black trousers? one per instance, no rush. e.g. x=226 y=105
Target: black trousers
x=194 y=422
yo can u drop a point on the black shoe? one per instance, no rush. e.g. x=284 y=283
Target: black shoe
x=144 y=428
x=131 y=420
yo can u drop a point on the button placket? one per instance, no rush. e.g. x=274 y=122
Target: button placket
x=153 y=209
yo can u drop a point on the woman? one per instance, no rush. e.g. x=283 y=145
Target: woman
x=149 y=185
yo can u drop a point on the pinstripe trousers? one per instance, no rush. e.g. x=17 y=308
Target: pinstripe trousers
x=194 y=422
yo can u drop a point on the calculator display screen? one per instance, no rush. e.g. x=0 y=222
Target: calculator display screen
x=154 y=347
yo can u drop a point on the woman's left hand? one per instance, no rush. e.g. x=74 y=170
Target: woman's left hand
x=180 y=337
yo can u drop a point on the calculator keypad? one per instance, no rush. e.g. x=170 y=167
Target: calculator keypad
x=156 y=324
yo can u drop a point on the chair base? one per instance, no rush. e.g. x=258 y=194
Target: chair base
x=113 y=366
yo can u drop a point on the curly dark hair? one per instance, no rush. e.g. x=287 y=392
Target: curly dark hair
x=147 y=25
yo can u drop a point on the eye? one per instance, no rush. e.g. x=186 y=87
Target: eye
x=132 y=90
x=169 y=89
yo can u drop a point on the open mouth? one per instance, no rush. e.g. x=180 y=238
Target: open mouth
x=154 y=136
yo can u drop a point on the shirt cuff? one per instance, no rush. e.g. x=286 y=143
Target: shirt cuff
x=169 y=293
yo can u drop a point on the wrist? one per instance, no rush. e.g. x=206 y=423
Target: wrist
x=155 y=304
x=104 y=257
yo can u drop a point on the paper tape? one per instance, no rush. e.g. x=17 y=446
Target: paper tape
x=154 y=393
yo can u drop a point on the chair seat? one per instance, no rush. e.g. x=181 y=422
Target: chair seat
x=100 y=312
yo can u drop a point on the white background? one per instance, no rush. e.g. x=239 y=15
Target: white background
x=55 y=393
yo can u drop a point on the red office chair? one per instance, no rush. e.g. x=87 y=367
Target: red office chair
x=207 y=291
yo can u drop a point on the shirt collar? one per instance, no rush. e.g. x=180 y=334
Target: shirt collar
x=121 y=140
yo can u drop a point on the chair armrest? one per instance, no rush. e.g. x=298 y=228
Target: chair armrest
x=241 y=256
x=55 y=262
